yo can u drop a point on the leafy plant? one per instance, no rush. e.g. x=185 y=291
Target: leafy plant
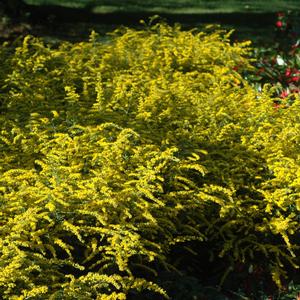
x=116 y=155
x=279 y=63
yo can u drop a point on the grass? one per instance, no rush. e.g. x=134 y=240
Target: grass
x=175 y=6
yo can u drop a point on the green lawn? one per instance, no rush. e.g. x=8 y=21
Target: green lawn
x=176 y=6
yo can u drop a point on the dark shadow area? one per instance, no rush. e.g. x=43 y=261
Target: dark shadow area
x=63 y=14
x=75 y=24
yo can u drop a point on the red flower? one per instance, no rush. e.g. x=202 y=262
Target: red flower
x=288 y=72
x=279 y=24
x=292 y=75
x=284 y=94
x=280 y=14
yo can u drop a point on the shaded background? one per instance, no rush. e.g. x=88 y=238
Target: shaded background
x=174 y=6
x=74 y=19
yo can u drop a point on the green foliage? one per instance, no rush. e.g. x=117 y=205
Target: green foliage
x=279 y=62
x=113 y=153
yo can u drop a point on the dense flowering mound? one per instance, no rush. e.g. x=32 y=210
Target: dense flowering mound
x=114 y=153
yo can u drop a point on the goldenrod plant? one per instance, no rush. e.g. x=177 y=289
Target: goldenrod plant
x=113 y=153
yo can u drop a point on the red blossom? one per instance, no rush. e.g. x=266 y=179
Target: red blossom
x=288 y=72
x=279 y=24
x=280 y=14
x=284 y=94
x=292 y=75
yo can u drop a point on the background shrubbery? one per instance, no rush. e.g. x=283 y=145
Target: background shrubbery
x=278 y=63
x=125 y=162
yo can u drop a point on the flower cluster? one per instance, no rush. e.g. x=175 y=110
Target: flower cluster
x=279 y=64
x=282 y=22
x=292 y=75
x=119 y=159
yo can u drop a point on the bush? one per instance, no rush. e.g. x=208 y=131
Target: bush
x=279 y=63
x=116 y=154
